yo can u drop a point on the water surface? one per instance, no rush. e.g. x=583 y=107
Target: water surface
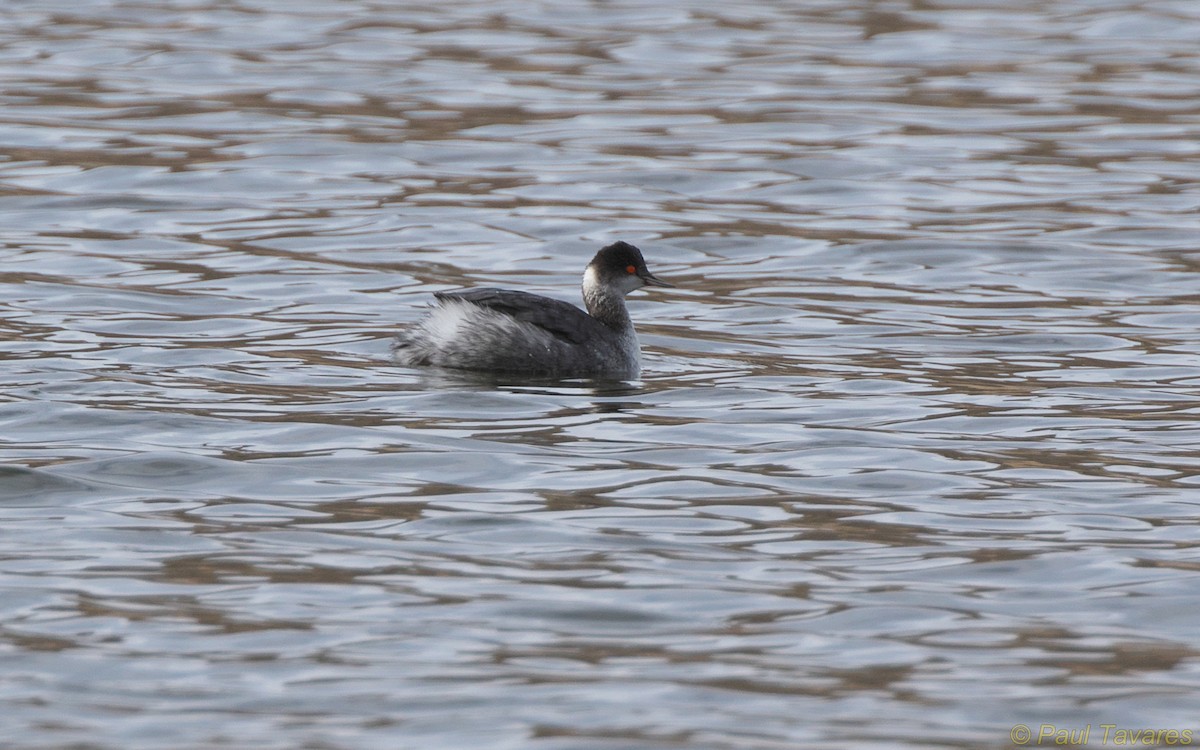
x=914 y=455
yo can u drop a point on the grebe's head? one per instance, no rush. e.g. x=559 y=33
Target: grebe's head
x=619 y=266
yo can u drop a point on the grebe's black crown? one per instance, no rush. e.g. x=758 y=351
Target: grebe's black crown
x=618 y=256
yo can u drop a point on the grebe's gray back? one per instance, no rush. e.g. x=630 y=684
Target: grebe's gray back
x=500 y=330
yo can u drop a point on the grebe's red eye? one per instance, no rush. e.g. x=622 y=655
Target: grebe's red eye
x=630 y=270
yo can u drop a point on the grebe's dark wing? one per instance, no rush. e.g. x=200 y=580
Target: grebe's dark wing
x=562 y=319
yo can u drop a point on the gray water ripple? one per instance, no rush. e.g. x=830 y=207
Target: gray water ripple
x=911 y=461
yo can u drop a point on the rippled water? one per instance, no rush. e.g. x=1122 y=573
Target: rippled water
x=915 y=457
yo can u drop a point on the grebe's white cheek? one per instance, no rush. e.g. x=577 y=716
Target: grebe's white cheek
x=631 y=282
x=591 y=279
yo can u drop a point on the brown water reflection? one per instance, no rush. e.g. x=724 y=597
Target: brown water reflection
x=914 y=459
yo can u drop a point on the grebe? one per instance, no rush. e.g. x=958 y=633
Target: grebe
x=501 y=330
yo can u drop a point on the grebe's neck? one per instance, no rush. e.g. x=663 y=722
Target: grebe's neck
x=604 y=302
